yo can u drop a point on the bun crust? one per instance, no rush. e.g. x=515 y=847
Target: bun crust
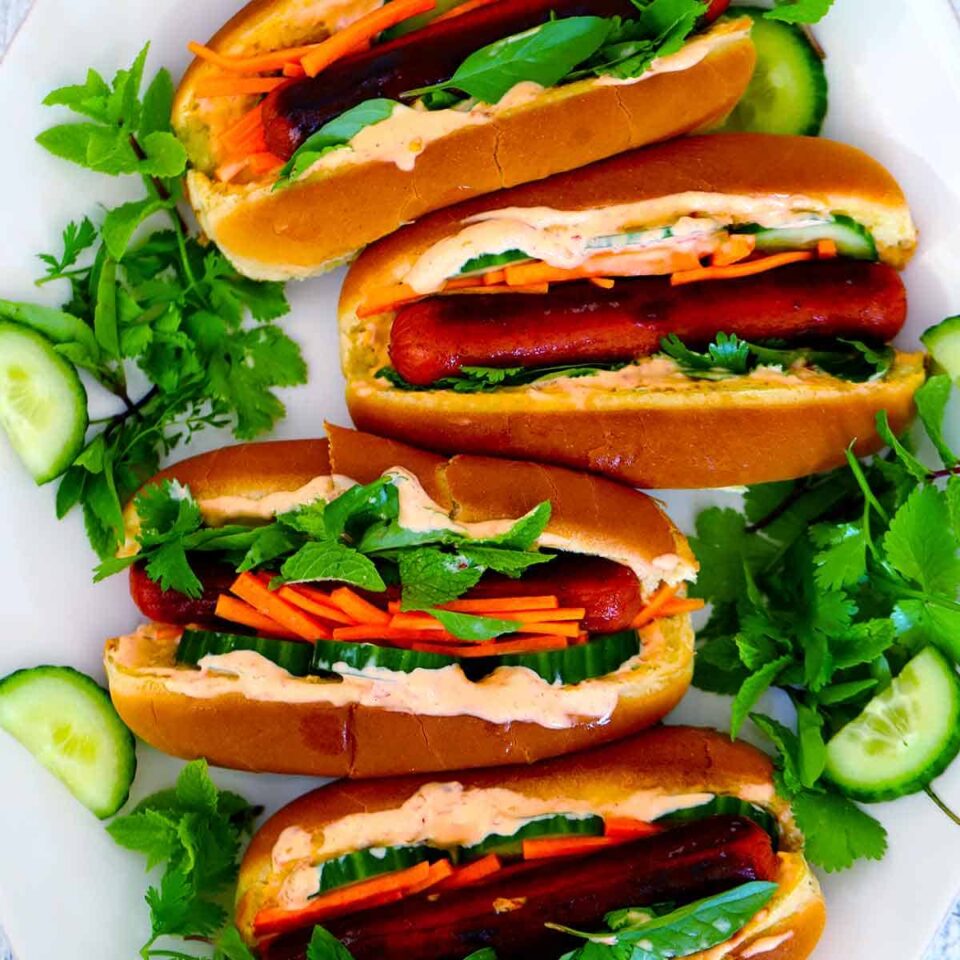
x=672 y=760
x=324 y=219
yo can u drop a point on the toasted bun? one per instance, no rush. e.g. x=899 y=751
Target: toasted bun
x=237 y=728
x=696 y=434
x=325 y=218
x=666 y=760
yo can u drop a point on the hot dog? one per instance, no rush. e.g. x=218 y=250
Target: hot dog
x=686 y=315
x=399 y=152
x=509 y=907
x=520 y=611
x=581 y=323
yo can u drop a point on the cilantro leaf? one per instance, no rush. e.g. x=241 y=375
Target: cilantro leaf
x=920 y=542
x=328 y=560
x=842 y=559
x=430 y=577
x=325 y=946
x=788 y=747
x=799 y=11
x=717 y=667
x=837 y=831
x=753 y=688
x=473 y=379
x=719 y=544
x=76 y=238
x=229 y=945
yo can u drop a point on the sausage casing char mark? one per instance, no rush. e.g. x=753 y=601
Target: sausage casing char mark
x=508 y=912
x=419 y=59
x=608 y=591
x=580 y=323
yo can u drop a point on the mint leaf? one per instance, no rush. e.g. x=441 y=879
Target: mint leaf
x=837 y=831
x=512 y=563
x=195 y=790
x=952 y=493
x=325 y=946
x=105 y=322
x=921 y=544
x=268 y=543
x=148 y=832
x=360 y=506
x=753 y=689
x=157 y=105
x=431 y=577
x=88 y=98
x=465 y=626
x=326 y=560
x=121 y=222
x=525 y=532
x=799 y=11
x=717 y=667
x=165 y=157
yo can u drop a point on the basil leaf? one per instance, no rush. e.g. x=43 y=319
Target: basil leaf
x=335 y=134
x=544 y=55
x=326 y=560
x=464 y=626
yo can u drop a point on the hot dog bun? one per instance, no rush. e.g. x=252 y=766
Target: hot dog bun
x=695 y=434
x=324 y=219
x=292 y=730
x=664 y=760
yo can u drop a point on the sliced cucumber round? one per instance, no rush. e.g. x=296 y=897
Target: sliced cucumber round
x=904 y=738
x=582 y=661
x=360 y=655
x=294 y=656
x=43 y=406
x=68 y=723
x=373 y=862
x=511 y=845
x=852 y=239
x=943 y=342
x=490 y=261
x=727 y=807
x=788 y=91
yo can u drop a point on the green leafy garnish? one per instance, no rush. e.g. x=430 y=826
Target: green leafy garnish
x=799 y=11
x=483 y=379
x=325 y=946
x=160 y=307
x=825 y=587
x=196 y=832
x=490 y=261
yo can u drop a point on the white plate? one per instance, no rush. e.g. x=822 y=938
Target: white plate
x=65 y=890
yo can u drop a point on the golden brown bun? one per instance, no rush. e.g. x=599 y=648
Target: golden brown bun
x=718 y=434
x=324 y=219
x=324 y=740
x=671 y=760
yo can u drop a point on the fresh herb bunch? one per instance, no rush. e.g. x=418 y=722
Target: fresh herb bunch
x=355 y=539
x=825 y=587
x=197 y=833
x=165 y=304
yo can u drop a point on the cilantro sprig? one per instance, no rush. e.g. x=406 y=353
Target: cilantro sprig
x=824 y=588
x=161 y=322
x=197 y=833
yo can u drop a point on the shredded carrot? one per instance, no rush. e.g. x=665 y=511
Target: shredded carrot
x=826 y=249
x=461 y=283
x=355 y=606
x=232 y=86
x=747 y=269
x=227 y=171
x=494 y=277
x=604 y=283
x=263 y=162
x=439 y=871
x=539 y=616
x=387 y=299
x=236 y=611
x=627 y=263
x=554 y=629
x=349 y=899
x=626 y=828
x=501 y=288
x=415 y=621
x=250 y=123
x=261 y=63
x=543 y=848
x=294 y=70
x=472 y=873
x=467 y=7
x=735 y=248
x=501 y=603
x=654 y=607
x=681 y=605
x=252 y=589
x=300 y=598
x=345 y=41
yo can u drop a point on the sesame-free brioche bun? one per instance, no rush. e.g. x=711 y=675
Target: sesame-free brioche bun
x=689 y=433
x=292 y=725
x=664 y=761
x=351 y=199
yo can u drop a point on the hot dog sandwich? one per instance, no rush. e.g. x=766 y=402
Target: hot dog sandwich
x=353 y=606
x=711 y=311
x=316 y=128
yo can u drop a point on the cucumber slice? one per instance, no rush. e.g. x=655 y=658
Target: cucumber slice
x=360 y=655
x=943 y=342
x=788 y=91
x=43 y=406
x=490 y=261
x=294 y=656
x=598 y=657
x=69 y=724
x=904 y=738
x=728 y=807
x=561 y=825
x=640 y=238
x=374 y=862
x=852 y=239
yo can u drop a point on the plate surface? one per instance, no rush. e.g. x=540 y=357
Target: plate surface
x=65 y=890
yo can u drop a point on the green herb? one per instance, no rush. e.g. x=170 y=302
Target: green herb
x=483 y=379
x=468 y=627
x=544 y=55
x=799 y=11
x=164 y=304
x=325 y=946
x=196 y=832
x=649 y=933
x=490 y=261
x=334 y=135
x=825 y=587
x=728 y=356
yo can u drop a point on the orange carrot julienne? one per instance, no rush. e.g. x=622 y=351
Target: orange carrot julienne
x=467 y=7
x=733 y=249
x=501 y=603
x=233 y=86
x=604 y=283
x=746 y=269
x=261 y=63
x=252 y=589
x=325 y=610
x=681 y=605
x=626 y=828
x=355 y=606
x=249 y=124
x=387 y=299
x=537 y=288
x=236 y=611
x=473 y=872
x=494 y=277
x=543 y=848
x=356 y=896
x=294 y=69
x=539 y=616
x=439 y=871
x=654 y=607
x=826 y=249
x=345 y=41
x=415 y=621
x=554 y=629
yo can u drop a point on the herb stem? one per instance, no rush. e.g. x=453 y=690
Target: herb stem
x=943 y=474
x=931 y=793
x=62 y=275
